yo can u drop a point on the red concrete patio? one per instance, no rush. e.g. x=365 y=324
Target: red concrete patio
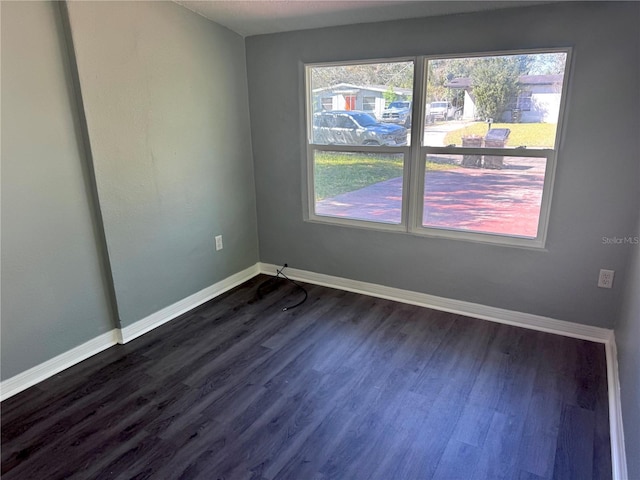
x=503 y=201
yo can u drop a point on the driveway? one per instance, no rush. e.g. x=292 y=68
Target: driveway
x=434 y=134
x=503 y=201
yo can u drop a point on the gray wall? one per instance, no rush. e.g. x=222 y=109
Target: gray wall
x=596 y=186
x=628 y=343
x=53 y=293
x=165 y=96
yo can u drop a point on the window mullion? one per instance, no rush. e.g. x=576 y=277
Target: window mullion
x=414 y=177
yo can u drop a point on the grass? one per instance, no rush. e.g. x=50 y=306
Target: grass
x=337 y=173
x=441 y=164
x=522 y=134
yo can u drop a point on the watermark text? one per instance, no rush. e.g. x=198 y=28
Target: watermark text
x=630 y=240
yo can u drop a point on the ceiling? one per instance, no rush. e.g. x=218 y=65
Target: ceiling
x=255 y=17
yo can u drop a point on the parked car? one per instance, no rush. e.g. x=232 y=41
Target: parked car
x=341 y=127
x=443 y=111
x=398 y=112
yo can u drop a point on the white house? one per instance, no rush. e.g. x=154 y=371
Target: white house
x=347 y=96
x=538 y=100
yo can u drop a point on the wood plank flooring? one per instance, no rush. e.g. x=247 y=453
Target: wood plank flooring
x=343 y=387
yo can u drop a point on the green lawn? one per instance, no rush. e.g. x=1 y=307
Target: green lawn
x=522 y=134
x=337 y=173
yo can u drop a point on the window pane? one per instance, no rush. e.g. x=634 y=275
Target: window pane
x=376 y=98
x=484 y=193
x=358 y=186
x=369 y=104
x=467 y=96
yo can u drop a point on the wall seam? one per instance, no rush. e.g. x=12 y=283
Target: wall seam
x=84 y=146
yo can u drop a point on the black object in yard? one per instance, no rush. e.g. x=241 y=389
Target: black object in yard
x=497 y=136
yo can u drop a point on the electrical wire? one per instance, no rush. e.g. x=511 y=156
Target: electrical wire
x=279 y=273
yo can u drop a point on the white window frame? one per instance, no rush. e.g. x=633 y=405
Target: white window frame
x=373 y=104
x=415 y=158
x=309 y=185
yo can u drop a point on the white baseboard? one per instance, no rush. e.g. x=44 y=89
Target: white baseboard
x=167 y=314
x=41 y=372
x=494 y=314
x=618 y=452
x=509 y=317
x=37 y=374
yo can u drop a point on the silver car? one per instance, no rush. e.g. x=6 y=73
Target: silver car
x=342 y=127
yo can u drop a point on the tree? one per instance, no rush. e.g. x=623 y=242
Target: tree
x=443 y=70
x=393 y=74
x=493 y=81
x=495 y=84
x=548 y=63
x=389 y=95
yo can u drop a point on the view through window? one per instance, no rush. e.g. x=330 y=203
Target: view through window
x=483 y=147
x=366 y=107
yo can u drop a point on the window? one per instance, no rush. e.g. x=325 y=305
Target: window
x=524 y=101
x=477 y=161
x=368 y=104
x=356 y=161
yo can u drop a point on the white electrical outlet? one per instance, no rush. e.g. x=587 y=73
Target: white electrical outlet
x=218 y=242
x=605 y=280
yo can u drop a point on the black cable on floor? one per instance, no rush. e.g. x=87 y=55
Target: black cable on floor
x=280 y=274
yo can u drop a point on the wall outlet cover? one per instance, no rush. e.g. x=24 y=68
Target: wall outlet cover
x=605 y=279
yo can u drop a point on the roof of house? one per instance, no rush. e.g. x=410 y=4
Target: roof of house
x=374 y=88
x=540 y=79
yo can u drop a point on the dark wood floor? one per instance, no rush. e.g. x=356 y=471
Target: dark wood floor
x=343 y=387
